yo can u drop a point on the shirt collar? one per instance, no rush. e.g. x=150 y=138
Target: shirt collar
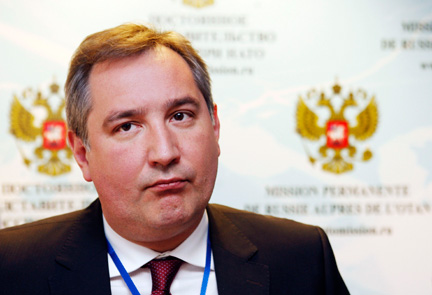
x=134 y=256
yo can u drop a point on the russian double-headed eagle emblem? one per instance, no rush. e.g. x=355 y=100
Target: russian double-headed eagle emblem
x=334 y=125
x=41 y=131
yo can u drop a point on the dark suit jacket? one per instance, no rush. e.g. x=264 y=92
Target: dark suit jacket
x=253 y=254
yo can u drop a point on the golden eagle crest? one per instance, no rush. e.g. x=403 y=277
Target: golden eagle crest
x=41 y=131
x=335 y=124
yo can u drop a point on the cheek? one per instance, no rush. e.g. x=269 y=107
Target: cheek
x=204 y=155
x=113 y=161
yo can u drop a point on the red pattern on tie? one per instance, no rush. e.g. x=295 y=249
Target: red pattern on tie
x=163 y=272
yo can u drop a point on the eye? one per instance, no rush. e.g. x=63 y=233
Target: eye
x=178 y=116
x=181 y=116
x=126 y=127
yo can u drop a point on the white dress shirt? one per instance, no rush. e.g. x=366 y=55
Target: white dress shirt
x=188 y=279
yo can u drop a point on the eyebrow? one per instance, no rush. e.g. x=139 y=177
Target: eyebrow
x=177 y=102
x=130 y=113
x=118 y=115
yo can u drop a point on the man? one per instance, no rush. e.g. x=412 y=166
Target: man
x=144 y=129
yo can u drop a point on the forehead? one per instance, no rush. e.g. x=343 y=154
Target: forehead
x=157 y=71
x=150 y=81
x=160 y=57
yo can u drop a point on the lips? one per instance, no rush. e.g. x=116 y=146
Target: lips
x=168 y=184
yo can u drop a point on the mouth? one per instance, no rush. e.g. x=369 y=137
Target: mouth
x=164 y=185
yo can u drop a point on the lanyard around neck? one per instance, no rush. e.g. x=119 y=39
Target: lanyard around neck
x=128 y=280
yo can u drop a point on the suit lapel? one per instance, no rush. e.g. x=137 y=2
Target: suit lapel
x=82 y=264
x=232 y=252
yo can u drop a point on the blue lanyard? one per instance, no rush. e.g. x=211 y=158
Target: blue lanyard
x=126 y=277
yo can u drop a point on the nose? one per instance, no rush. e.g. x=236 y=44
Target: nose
x=164 y=149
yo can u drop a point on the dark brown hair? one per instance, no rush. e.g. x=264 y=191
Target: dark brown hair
x=116 y=43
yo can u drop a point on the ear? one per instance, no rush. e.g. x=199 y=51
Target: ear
x=79 y=151
x=216 y=125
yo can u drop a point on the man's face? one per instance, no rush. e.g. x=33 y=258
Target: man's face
x=153 y=147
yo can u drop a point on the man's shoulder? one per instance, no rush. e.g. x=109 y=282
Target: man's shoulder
x=298 y=256
x=274 y=238
x=238 y=214
x=266 y=226
x=33 y=252
x=45 y=233
x=44 y=224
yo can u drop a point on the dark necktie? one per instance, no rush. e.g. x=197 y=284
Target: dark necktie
x=163 y=272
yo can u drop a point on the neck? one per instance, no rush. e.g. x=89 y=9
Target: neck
x=169 y=244
x=160 y=240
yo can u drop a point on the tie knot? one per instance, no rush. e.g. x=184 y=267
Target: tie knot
x=163 y=272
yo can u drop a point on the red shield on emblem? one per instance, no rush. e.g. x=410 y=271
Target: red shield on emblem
x=337 y=134
x=54 y=135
